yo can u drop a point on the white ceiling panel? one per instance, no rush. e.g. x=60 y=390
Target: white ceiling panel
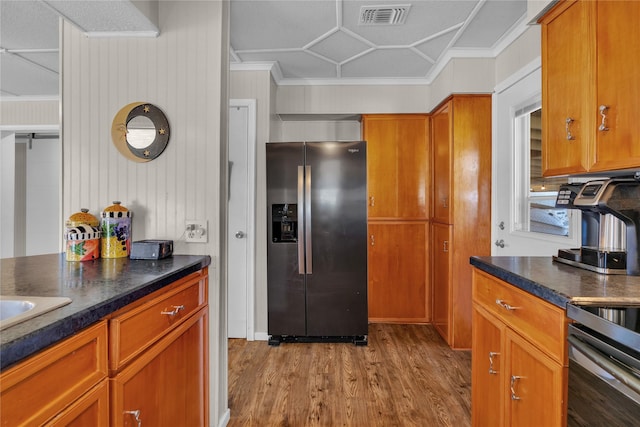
x=308 y=39
x=387 y=63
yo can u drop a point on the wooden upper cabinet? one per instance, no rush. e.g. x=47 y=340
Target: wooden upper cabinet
x=618 y=70
x=589 y=63
x=442 y=140
x=397 y=165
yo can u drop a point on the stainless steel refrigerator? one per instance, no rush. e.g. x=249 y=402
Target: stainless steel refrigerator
x=317 y=248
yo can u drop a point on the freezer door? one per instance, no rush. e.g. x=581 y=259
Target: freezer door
x=285 y=275
x=336 y=297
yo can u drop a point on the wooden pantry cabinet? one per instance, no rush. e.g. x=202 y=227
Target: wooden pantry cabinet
x=519 y=359
x=146 y=363
x=461 y=209
x=398 y=174
x=590 y=69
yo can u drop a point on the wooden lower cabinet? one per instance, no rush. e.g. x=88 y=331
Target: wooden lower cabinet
x=398 y=272
x=166 y=385
x=49 y=384
x=517 y=377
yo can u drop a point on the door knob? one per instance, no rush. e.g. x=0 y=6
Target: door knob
x=239 y=234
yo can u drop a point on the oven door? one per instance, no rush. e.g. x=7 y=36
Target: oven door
x=603 y=389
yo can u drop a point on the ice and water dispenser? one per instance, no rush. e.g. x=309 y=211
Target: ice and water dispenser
x=284 y=222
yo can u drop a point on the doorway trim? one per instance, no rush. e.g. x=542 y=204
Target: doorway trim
x=250 y=104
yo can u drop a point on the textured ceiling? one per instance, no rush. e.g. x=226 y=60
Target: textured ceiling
x=305 y=41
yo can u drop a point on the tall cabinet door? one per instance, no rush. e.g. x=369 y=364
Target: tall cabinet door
x=398 y=286
x=397 y=166
x=441 y=122
x=441 y=251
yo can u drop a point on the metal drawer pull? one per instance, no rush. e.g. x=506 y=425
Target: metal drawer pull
x=372 y=201
x=603 y=112
x=492 y=354
x=136 y=416
x=176 y=310
x=514 y=378
x=567 y=128
x=373 y=240
x=506 y=306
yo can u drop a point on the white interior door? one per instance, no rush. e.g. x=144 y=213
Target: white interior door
x=241 y=242
x=510 y=97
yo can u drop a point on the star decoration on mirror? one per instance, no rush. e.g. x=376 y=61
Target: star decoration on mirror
x=146 y=109
x=161 y=131
x=146 y=153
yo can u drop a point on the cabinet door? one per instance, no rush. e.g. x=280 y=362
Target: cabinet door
x=397 y=166
x=92 y=409
x=441 y=283
x=487 y=367
x=568 y=82
x=167 y=384
x=441 y=125
x=398 y=272
x=618 y=86
x=535 y=395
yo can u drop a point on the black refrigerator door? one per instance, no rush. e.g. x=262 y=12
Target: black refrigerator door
x=337 y=260
x=285 y=282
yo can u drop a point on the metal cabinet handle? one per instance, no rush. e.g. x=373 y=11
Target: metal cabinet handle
x=445 y=246
x=445 y=202
x=499 y=243
x=603 y=112
x=373 y=240
x=372 y=201
x=514 y=379
x=239 y=234
x=136 y=416
x=176 y=310
x=567 y=127
x=492 y=354
x=506 y=306
x=501 y=225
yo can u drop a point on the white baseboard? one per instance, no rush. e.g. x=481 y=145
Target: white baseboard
x=261 y=336
x=224 y=420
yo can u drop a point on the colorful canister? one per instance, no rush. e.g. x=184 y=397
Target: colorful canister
x=116 y=231
x=82 y=236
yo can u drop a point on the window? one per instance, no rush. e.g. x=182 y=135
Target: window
x=535 y=209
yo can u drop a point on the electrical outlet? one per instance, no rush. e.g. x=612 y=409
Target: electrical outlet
x=196 y=231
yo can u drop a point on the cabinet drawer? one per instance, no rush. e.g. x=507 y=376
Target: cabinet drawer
x=540 y=322
x=43 y=385
x=135 y=330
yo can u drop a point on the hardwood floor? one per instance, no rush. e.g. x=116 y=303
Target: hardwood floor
x=405 y=376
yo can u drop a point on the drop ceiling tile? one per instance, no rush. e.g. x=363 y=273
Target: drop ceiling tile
x=387 y=63
x=339 y=46
x=48 y=60
x=295 y=65
x=33 y=80
x=104 y=15
x=424 y=19
x=28 y=25
x=491 y=23
x=280 y=24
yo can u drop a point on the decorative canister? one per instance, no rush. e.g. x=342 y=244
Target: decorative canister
x=116 y=231
x=82 y=243
x=82 y=236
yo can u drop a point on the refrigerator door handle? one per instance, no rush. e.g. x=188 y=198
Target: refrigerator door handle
x=301 y=226
x=307 y=219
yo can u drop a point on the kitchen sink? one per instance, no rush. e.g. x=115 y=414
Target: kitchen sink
x=16 y=309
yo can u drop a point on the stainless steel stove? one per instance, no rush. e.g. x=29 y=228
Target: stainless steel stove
x=604 y=366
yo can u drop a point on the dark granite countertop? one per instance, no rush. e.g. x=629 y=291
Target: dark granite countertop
x=560 y=284
x=96 y=288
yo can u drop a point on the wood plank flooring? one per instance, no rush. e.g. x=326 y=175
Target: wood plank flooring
x=405 y=376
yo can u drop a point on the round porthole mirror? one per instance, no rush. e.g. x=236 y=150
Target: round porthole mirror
x=140 y=131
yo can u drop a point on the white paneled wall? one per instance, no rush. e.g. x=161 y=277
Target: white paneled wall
x=183 y=72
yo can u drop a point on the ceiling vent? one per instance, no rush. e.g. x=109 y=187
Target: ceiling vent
x=384 y=15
